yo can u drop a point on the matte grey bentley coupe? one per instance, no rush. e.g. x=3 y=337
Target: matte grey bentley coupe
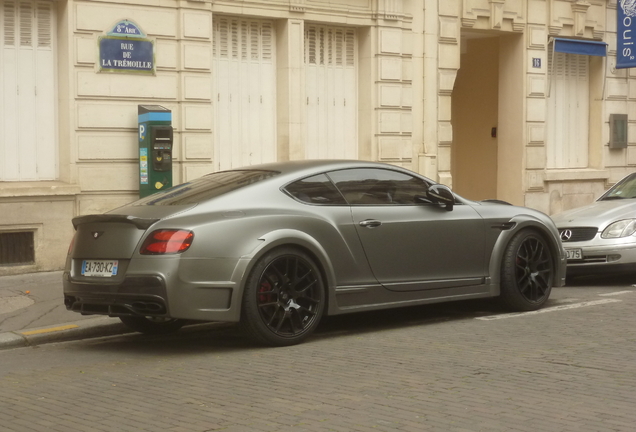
x=277 y=246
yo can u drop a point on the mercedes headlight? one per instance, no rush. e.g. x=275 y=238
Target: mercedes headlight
x=621 y=228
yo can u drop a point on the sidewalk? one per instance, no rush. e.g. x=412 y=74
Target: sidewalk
x=32 y=312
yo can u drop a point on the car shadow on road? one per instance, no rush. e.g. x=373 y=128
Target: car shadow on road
x=223 y=337
x=601 y=280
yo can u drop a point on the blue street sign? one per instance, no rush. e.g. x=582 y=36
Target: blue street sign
x=121 y=54
x=625 y=48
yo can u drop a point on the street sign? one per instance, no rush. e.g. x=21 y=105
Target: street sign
x=626 y=35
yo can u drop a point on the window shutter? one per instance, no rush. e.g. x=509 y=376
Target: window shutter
x=26 y=24
x=9 y=23
x=245 y=82
x=28 y=132
x=567 y=122
x=44 y=23
x=331 y=90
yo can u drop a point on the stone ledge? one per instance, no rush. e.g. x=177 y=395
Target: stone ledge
x=555 y=175
x=35 y=189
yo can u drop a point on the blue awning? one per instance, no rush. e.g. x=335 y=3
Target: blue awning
x=583 y=47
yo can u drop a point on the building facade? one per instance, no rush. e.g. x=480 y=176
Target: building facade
x=476 y=94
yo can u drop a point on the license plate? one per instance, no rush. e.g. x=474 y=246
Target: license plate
x=574 y=254
x=100 y=268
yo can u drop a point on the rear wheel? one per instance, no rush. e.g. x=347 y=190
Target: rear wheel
x=284 y=298
x=527 y=272
x=152 y=325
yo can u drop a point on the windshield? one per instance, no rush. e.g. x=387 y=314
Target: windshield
x=205 y=188
x=625 y=189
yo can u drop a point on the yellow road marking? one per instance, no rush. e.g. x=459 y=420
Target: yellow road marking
x=49 y=330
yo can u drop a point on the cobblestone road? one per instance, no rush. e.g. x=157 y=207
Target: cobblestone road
x=454 y=367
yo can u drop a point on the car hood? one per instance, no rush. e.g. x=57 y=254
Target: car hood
x=599 y=213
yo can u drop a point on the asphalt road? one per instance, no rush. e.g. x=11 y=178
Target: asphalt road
x=465 y=366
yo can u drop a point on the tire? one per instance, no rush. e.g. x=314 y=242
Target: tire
x=527 y=272
x=152 y=325
x=284 y=298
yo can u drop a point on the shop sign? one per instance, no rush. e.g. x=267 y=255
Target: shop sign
x=626 y=37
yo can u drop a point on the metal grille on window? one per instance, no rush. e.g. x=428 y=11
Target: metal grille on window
x=17 y=248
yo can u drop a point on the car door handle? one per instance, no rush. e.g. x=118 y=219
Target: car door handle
x=370 y=223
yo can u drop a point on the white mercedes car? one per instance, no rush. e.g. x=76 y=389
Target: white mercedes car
x=601 y=237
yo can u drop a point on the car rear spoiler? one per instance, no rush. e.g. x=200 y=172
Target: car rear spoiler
x=140 y=223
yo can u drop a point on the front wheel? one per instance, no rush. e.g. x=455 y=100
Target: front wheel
x=284 y=298
x=152 y=325
x=527 y=272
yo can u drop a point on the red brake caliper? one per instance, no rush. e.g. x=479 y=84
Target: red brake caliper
x=265 y=298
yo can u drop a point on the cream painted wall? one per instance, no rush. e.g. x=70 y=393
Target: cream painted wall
x=474 y=114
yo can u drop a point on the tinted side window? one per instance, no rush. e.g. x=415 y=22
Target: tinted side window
x=316 y=190
x=373 y=186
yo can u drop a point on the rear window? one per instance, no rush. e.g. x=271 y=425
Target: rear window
x=205 y=188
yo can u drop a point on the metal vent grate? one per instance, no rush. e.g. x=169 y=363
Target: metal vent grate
x=17 y=248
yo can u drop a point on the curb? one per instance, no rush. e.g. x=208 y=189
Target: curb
x=88 y=328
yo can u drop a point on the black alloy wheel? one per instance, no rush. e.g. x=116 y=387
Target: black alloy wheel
x=284 y=298
x=527 y=272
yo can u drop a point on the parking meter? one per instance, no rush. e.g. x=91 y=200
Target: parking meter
x=155 y=149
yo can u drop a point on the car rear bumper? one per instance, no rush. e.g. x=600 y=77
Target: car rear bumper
x=140 y=295
x=194 y=289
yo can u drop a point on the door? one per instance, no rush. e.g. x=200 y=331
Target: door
x=245 y=87
x=475 y=113
x=28 y=136
x=330 y=80
x=411 y=244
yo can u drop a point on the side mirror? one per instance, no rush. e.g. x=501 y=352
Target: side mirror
x=441 y=194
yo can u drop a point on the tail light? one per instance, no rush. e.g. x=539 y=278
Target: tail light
x=70 y=246
x=167 y=242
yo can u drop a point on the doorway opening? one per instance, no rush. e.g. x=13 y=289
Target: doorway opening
x=487 y=118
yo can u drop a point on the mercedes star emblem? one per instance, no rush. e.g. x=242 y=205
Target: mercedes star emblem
x=566 y=235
